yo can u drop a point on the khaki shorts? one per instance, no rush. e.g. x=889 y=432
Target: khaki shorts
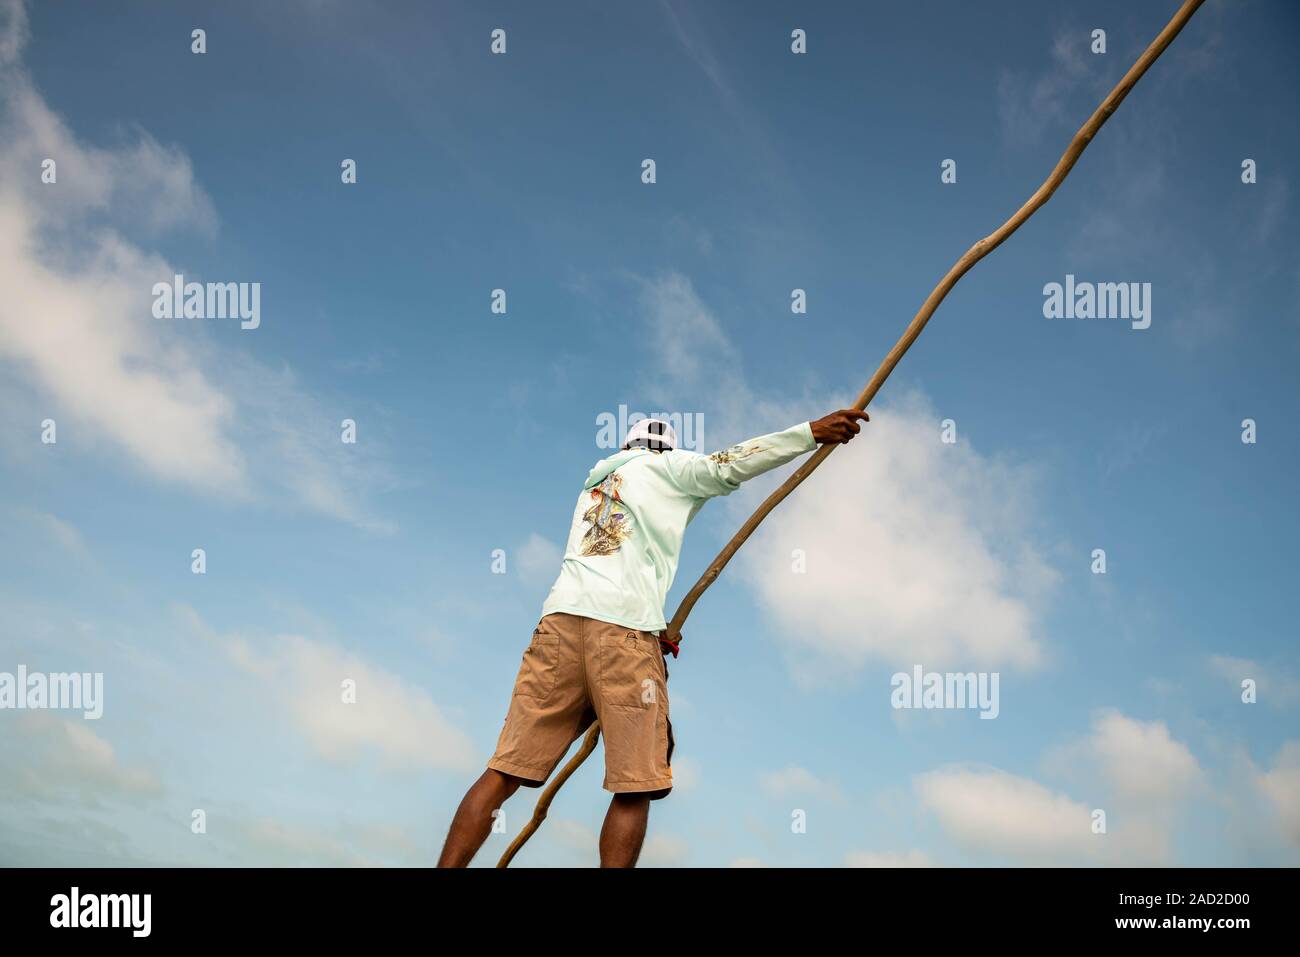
x=577 y=670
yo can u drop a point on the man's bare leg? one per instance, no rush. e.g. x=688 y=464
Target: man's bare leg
x=473 y=821
x=624 y=830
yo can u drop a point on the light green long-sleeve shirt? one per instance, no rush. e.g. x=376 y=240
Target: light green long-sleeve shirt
x=627 y=529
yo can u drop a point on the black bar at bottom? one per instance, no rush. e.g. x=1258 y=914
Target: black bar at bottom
x=329 y=907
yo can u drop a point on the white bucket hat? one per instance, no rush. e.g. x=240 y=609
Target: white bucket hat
x=653 y=434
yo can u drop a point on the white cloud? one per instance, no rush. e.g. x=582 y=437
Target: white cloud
x=697 y=362
x=1281 y=785
x=64 y=758
x=13 y=30
x=887 y=859
x=1142 y=761
x=1139 y=775
x=66 y=535
x=399 y=720
x=915 y=552
x=177 y=402
x=68 y=329
x=991 y=811
x=297 y=444
x=689 y=342
x=390 y=718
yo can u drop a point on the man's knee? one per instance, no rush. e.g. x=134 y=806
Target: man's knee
x=501 y=784
x=633 y=801
x=632 y=798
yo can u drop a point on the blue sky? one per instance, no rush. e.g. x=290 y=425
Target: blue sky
x=774 y=171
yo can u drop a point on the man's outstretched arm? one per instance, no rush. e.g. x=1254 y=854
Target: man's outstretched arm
x=704 y=476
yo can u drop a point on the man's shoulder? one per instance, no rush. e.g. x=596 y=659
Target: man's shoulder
x=670 y=461
x=666 y=457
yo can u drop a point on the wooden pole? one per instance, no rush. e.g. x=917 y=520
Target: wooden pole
x=544 y=801
x=959 y=269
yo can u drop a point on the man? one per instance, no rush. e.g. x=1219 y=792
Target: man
x=598 y=651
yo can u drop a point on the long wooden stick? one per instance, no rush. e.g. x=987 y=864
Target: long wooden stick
x=544 y=801
x=959 y=269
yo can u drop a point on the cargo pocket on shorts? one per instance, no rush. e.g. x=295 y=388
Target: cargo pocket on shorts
x=631 y=670
x=541 y=663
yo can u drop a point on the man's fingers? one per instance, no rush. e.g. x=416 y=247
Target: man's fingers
x=848 y=426
x=838 y=427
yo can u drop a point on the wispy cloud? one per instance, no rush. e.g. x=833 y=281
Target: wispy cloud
x=987 y=811
x=1138 y=185
x=1029 y=104
x=64 y=534
x=76 y=326
x=691 y=35
x=1142 y=775
x=305 y=680
x=1137 y=774
x=1281 y=785
x=63 y=760
x=1142 y=761
x=1275 y=686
